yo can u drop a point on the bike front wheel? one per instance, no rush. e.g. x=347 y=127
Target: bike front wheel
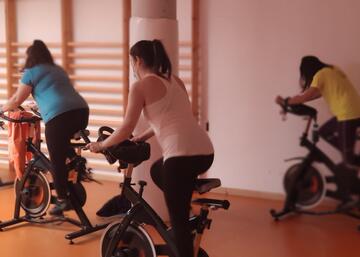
x=309 y=185
x=35 y=193
x=136 y=242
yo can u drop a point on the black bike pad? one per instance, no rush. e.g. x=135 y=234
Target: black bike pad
x=127 y=152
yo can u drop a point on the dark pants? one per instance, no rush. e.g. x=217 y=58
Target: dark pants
x=342 y=135
x=176 y=178
x=58 y=133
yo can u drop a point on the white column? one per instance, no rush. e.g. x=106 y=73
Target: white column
x=154 y=19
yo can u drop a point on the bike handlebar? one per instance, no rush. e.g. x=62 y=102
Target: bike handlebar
x=300 y=110
x=21 y=120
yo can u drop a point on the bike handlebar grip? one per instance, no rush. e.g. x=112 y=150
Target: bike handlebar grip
x=225 y=204
x=85 y=137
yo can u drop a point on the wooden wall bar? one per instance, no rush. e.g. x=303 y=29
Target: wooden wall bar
x=66 y=33
x=126 y=39
x=195 y=57
x=11 y=36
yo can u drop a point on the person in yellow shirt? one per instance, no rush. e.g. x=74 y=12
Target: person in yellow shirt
x=320 y=79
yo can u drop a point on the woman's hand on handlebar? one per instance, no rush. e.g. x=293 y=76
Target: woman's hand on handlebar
x=283 y=103
x=95 y=147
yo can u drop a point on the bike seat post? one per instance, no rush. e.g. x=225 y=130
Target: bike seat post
x=128 y=171
x=202 y=223
x=127 y=177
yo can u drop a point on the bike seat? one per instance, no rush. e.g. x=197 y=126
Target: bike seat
x=203 y=185
x=77 y=135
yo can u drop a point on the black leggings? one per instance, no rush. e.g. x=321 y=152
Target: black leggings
x=176 y=178
x=342 y=135
x=58 y=133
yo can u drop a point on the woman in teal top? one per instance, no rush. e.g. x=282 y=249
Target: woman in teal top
x=62 y=108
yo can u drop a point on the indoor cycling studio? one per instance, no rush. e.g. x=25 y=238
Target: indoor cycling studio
x=179 y=128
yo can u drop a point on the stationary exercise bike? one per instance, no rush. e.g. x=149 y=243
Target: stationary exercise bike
x=128 y=237
x=306 y=186
x=34 y=190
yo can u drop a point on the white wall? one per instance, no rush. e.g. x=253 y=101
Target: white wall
x=252 y=50
x=98 y=20
x=38 y=19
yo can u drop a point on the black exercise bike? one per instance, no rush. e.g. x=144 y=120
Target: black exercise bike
x=34 y=190
x=129 y=238
x=305 y=186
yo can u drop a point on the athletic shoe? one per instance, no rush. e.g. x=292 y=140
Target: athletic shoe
x=60 y=207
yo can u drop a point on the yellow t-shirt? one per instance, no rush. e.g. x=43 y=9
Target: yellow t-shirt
x=338 y=92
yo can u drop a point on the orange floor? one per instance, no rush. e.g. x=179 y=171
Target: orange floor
x=245 y=230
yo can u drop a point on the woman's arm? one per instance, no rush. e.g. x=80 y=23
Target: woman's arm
x=309 y=94
x=144 y=136
x=135 y=106
x=21 y=94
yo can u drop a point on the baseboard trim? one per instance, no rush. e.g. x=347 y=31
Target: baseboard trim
x=116 y=177
x=264 y=195
x=249 y=193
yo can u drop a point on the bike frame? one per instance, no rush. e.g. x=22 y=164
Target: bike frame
x=42 y=163
x=317 y=155
x=339 y=177
x=141 y=212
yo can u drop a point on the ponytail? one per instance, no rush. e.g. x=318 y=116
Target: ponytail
x=162 y=64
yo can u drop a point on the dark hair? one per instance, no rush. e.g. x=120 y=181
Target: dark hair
x=154 y=55
x=38 y=53
x=309 y=66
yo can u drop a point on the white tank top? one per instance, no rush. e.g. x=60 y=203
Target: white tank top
x=173 y=122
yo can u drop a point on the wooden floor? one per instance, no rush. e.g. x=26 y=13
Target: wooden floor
x=245 y=230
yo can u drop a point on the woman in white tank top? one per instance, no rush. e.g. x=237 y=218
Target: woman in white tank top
x=186 y=148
